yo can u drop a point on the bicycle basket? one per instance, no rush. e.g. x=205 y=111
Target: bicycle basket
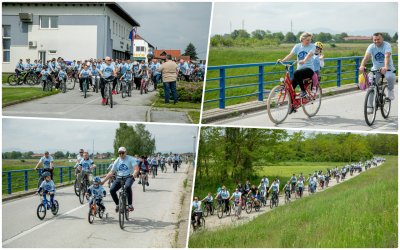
x=363 y=81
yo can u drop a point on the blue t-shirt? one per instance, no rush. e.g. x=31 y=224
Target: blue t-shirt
x=127 y=76
x=224 y=194
x=378 y=55
x=97 y=192
x=48 y=186
x=124 y=167
x=86 y=164
x=46 y=161
x=62 y=75
x=316 y=62
x=95 y=72
x=44 y=74
x=85 y=73
x=301 y=52
x=107 y=70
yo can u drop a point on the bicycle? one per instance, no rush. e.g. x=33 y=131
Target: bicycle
x=197 y=226
x=108 y=91
x=223 y=209
x=95 y=211
x=376 y=97
x=143 y=86
x=123 y=203
x=46 y=205
x=71 y=79
x=143 y=180
x=153 y=171
x=85 y=83
x=250 y=204
x=287 y=197
x=283 y=100
x=83 y=187
x=237 y=208
x=274 y=200
x=175 y=166
x=63 y=86
x=95 y=81
x=125 y=89
x=208 y=209
x=25 y=77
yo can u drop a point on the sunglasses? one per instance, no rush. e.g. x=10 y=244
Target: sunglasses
x=121 y=153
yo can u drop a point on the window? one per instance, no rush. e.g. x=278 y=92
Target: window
x=113 y=27
x=139 y=48
x=48 y=22
x=6 y=42
x=52 y=52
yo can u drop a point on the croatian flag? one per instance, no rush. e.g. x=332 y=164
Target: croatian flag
x=132 y=34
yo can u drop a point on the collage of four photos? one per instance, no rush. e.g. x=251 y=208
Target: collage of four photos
x=271 y=124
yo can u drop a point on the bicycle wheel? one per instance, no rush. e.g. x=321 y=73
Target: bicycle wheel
x=55 y=207
x=82 y=193
x=122 y=208
x=110 y=98
x=84 y=86
x=278 y=104
x=144 y=184
x=202 y=223
x=63 y=86
x=70 y=85
x=96 y=85
x=30 y=79
x=205 y=209
x=123 y=90
x=126 y=212
x=277 y=201
x=249 y=207
x=90 y=215
x=76 y=187
x=150 y=86
x=130 y=89
x=386 y=102
x=220 y=211
x=257 y=208
x=271 y=203
x=370 y=106
x=41 y=211
x=12 y=80
x=312 y=101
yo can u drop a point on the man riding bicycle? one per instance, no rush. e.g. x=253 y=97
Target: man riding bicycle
x=275 y=189
x=85 y=167
x=125 y=166
x=293 y=182
x=107 y=71
x=144 y=169
x=381 y=54
x=197 y=210
x=48 y=163
x=237 y=196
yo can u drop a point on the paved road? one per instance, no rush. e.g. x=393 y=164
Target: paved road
x=213 y=222
x=341 y=112
x=153 y=223
x=73 y=105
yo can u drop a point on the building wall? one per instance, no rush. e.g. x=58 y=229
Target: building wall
x=119 y=29
x=83 y=32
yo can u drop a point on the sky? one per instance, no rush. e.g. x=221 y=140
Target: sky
x=173 y=25
x=54 y=135
x=352 y=18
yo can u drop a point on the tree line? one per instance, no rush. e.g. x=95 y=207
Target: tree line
x=259 y=37
x=234 y=153
x=56 y=154
x=137 y=140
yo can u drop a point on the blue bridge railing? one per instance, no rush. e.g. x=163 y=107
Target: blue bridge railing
x=259 y=78
x=26 y=179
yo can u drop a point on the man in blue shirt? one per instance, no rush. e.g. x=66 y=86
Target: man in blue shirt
x=125 y=166
x=19 y=67
x=381 y=54
x=48 y=163
x=107 y=70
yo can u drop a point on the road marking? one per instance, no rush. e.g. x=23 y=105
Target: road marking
x=16 y=237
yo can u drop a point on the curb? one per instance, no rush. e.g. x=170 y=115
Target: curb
x=26 y=100
x=255 y=106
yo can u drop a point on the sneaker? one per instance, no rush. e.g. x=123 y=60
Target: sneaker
x=303 y=94
x=293 y=110
x=130 y=208
x=391 y=95
x=147 y=183
x=103 y=101
x=139 y=182
x=117 y=209
x=114 y=92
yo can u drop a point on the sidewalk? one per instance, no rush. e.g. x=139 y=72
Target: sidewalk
x=216 y=114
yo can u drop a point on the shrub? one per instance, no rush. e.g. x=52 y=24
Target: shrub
x=186 y=91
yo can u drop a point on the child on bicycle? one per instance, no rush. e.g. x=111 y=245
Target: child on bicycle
x=97 y=192
x=237 y=195
x=95 y=75
x=84 y=75
x=209 y=200
x=62 y=77
x=144 y=169
x=44 y=76
x=318 y=61
x=287 y=189
x=47 y=187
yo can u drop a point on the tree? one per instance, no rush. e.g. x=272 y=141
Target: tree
x=258 y=34
x=279 y=36
x=386 y=36
x=59 y=154
x=137 y=141
x=394 y=38
x=191 y=51
x=290 y=38
x=240 y=34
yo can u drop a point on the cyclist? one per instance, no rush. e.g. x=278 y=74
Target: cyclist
x=62 y=76
x=154 y=163
x=224 y=194
x=263 y=191
x=124 y=166
x=305 y=68
x=48 y=187
x=85 y=167
x=127 y=76
x=312 y=185
x=254 y=195
x=97 y=192
x=197 y=211
x=293 y=182
x=107 y=70
x=274 y=188
x=208 y=201
x=19 y=68
x=44 y=75
x=84 y=75
x=381 y=54
x=144 y=169
x=327 y=178
x=237 y=195
x=300 y=187
x=48 y=163
x=95 y=75
x=318 y=62
x=287 y=189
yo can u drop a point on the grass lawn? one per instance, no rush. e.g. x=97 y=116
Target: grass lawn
x=359 y=213
x=159 y=103
x=195 y=115
x=245 y=55
x=13 y=95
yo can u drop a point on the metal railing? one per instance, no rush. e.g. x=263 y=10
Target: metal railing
x=338 y=70
x=26 y=179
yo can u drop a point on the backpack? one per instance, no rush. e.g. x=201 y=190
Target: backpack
x=363 y=81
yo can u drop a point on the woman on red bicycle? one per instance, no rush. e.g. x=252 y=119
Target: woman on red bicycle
x=305 y=69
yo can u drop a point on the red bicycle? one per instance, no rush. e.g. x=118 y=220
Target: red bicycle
x=283 y=100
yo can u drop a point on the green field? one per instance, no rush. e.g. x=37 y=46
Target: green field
x=227 y=56
x=13 y=95
x=283 y=171
x=361 y=212
x=18 y=178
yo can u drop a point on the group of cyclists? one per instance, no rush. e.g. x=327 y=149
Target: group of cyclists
x=258 y=193
x=124 y=167
x=135 y=74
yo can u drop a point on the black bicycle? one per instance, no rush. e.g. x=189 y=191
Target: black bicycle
x=201 y=224
x=123 y=203
x=223 y=209
x=84 y=187
x=376 y=97
x=274 y=200
x=208 y=209
x=108 y=90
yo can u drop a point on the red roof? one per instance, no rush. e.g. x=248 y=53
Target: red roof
x=175 y=54
x=348 y=38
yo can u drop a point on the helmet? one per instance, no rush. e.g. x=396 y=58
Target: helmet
x=319 y=45
x=97 y=179
x=46 y=174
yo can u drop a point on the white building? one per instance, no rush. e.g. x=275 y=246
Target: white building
x=73 y=30
x=142 y=48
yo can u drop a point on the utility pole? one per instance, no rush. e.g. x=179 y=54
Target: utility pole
x=93 y=149
x=230 y=27
x=291 y=25
x=243 y=24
